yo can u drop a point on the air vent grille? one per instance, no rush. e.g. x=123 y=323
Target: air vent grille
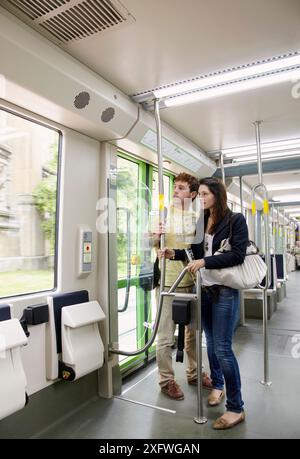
x=69 y=20
x=37 y=8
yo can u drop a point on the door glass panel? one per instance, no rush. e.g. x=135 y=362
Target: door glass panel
x=127 y=213
x=154 y=218
x=136 y=202
x=127 y=319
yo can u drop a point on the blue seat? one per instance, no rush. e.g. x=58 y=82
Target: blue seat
x=65 y=299
x=5 y=313
x=280 y=267
x=56 y=302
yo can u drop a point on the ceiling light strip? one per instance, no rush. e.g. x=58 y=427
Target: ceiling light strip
x=280 y=145
x=232 y=87
x=266 y=147
x=246 y=159
x=266 y=153
x=233 y=77
x=259 y=69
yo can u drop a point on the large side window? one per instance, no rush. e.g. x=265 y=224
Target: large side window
x=28 y=202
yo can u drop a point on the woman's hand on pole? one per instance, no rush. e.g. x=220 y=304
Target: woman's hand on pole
x=195 y=265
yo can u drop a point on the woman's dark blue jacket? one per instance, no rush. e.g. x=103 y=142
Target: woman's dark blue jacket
x=239 y=242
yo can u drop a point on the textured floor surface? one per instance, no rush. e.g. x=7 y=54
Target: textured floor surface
x=271 y=412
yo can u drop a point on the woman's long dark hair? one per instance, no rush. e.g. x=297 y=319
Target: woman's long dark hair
x=217 y=188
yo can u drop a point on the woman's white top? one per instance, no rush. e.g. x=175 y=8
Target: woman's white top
x=206 y=278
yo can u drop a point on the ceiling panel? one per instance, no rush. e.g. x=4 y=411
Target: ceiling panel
x=172 y=40
x=176 y=39
x=166 y=41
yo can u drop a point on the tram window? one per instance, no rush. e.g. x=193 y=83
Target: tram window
x=28 y=201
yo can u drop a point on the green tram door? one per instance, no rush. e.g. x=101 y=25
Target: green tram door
x=137 y=213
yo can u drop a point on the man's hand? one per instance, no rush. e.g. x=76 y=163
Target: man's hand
x=166 y=253
x=156 y=234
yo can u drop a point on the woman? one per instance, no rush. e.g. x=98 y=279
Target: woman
x=220 y=304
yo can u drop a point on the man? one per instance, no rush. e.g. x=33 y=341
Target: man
x=180 y=232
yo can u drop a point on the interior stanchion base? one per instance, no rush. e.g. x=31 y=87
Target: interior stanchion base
x=201 y=420
x=266 y=383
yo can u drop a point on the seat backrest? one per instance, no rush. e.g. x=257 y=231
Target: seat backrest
x=273 y=274
x=82 y=346
x=65 y=299
x=280 y=267
x=53 y=328
x=5 y=312
x=73 y=342
x=13 y=379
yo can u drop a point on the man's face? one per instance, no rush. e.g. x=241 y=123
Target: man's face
x=182 y=193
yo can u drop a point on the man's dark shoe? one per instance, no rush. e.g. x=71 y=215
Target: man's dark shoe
x=206 y=381
x=172 y=390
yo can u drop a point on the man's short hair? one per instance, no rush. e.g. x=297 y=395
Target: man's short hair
x=192 y=181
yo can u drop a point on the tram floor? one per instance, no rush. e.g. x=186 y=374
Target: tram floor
x=143 y=412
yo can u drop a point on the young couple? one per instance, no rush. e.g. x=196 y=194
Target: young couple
x=220 y=304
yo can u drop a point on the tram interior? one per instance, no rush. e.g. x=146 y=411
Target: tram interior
x=80 y=189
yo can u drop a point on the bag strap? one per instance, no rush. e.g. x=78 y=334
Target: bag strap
x=230 y=234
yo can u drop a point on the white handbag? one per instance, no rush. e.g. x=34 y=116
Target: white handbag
x=249 y=274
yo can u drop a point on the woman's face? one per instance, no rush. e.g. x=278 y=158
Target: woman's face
x=207 y=197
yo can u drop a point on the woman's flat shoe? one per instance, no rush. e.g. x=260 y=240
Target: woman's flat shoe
x=214 y=400
x=222 y=424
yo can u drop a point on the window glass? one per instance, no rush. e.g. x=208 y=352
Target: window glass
x=28 y=194
x=127 y=211
x=127 y=249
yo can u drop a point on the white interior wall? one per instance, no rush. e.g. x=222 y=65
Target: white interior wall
x=80 y=178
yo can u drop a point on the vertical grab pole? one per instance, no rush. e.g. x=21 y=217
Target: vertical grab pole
x=221 y=161
x=259 y=162
x=241 y=195
x=242 y=301
x=273 y=228
x=285 y=233
x=266 y=380
x=160 y=191
x=253 y=217
x=276 y=230
x=260 y=179
x=200 y=419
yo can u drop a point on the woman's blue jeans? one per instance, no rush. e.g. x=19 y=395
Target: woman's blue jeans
x=219 y=319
